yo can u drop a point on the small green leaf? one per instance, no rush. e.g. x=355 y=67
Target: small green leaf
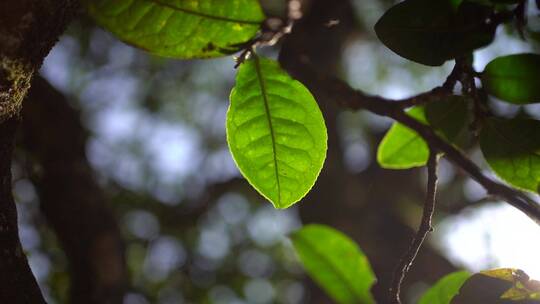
x=514 y=78
x=336 y=263
x=511 y=147
x=433 y=31
x=499 y=286
x=275 y=131
x=402 y=148
x=445 y=289
x=180 y=29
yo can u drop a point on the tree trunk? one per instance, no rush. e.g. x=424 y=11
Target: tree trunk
x=17 y=284
x=71 y=200
x=28 y=30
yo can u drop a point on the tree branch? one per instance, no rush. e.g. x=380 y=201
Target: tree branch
x=352 y=99
x=425 y=227
x=71 y=200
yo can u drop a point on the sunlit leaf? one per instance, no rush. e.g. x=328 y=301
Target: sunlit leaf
x=180 y=29
x=514 y=78
x=336 y=263
x=403 y=148
x=445 y=289
x=499 y=286
x=275 y=132
x=433 y=31
x=511 y=147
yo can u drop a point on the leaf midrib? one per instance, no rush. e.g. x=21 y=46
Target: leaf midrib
x=270 y=126
x=204 y=15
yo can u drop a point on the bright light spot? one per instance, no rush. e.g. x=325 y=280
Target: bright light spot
x=269 y=226
x=165 y=255
x=259 y=291
x=142 y=224
x=492 y=236
x=234 y=208
x=214 y=242
x=40 y=265
x=222 y=295
x=254 y=263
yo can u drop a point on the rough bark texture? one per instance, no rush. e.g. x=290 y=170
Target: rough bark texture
x=28 y=30
x=70 y=198
x=360 y=205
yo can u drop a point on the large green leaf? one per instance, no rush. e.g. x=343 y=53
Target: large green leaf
x=403 y=148
x=275 y=131
x=514 y=78
x=445 y=289
x=499 y=286
x=511 y=147
x=178 y=28
x=336 y=263
x=433 y=31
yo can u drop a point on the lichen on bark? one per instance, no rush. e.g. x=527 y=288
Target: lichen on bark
x=15 y=77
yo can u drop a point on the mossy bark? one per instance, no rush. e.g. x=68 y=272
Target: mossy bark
x=28 y=30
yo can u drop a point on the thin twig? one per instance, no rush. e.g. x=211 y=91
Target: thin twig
x=273 y=29
x=424 y=228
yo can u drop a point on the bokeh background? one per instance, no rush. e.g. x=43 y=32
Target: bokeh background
x=152 y=131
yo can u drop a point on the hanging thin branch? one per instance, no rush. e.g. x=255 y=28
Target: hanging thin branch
x=425 y=227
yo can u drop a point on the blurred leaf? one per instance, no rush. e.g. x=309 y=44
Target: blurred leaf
x=449 y=117
x=511 y=147
x=336 y=263
x=276 y=132
x=499 y=286
x=433 y=31
x=403 y=148
x=445 y=289
x=514 y=78
x=180 y=29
